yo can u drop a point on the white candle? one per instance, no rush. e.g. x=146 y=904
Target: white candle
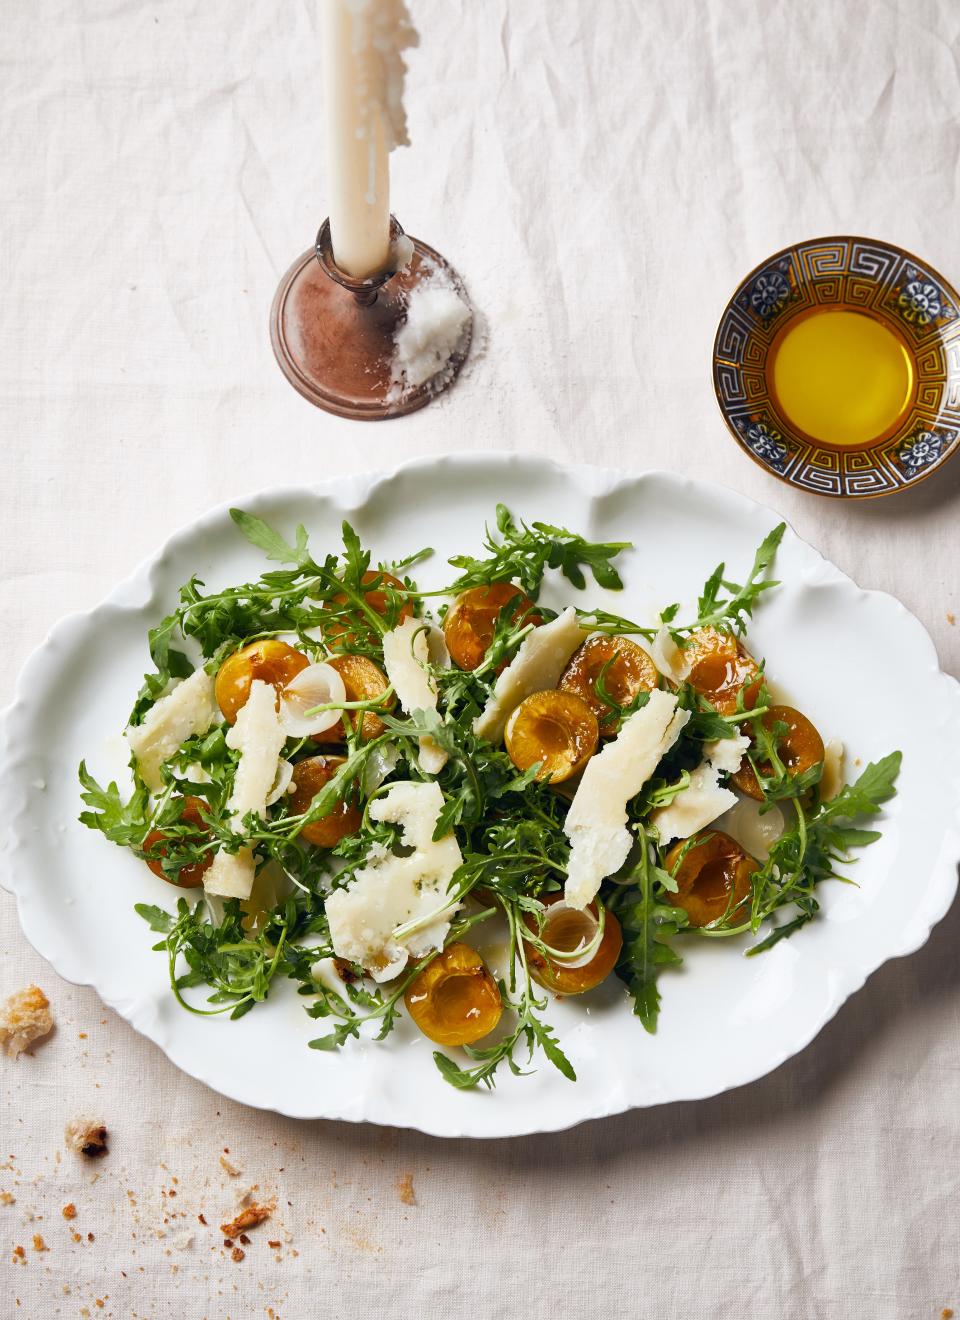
x=365 y=120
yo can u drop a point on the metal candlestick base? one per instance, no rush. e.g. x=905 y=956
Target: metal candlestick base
x=333 y=334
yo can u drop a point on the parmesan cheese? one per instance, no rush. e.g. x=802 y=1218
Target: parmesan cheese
x=231 y=875
x=406 y=654
x=259 y=737
x=391 y=892
x=703 y=800
x=697 y=806
x=596 y=823
x=726 y=754
x=188 y=709
x=536 y=667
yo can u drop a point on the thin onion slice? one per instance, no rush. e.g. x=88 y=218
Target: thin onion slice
x=281 y=783
x=668 y=657
x=755 y=830
x=585 y=951
x=381 y=762
x=317 y=685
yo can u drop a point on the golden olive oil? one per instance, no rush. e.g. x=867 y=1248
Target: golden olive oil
x=840 y=376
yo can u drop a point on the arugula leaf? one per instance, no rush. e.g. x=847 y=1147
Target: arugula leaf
x=866 y=795
x=525 y=552
x=810 y=852
x=155 y=917
x=733 y=611
x=647 y=926
x=123 y=823
x=272 y=544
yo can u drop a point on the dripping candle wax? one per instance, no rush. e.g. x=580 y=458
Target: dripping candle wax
x=363 y=42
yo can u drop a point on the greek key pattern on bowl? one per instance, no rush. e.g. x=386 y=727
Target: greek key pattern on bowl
x=884 y=282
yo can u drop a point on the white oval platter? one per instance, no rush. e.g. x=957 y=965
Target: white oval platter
x=858 y=663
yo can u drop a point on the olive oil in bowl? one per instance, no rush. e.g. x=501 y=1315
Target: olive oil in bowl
x=841 y=376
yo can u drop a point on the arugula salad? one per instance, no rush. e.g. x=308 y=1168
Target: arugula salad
x=359 y=785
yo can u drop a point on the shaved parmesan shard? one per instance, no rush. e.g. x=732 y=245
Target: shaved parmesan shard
x=699 y=805
x=668 y=657
x=231 y=875
x=391 y=892
x=536 y=667
x=596 y=823
x=726 y=754
x=703 y=800
x=259 y=737
x=186 y=710
x=406 y=653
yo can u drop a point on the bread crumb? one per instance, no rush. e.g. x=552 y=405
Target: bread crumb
x=24 y=1018
x=951 y=619
x=182 y=1240
x=19 y=1252
x=237 y=1254
x=7 y=1198
x=85 y=1136
x=405 y=1189
x=234 y=1170
x=39 y=1244
x=274 y=1244
x=249 y=1217
x=69 y=1211
x=947 y=1312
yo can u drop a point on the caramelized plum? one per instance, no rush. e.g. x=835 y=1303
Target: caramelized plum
x=309 y=777
x=556 y=728
x=720 y=668
x=454 y=1000
x=800 y=748
x=363 y=681
x=472 y=618
x=567 y=929
x=270 y=660
x=713 y=878
x=629 y=672
x=191 y=875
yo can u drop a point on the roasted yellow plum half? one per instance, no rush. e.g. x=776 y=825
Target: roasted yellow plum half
x=713 y=878
x=800 y=748
x=626 y=671
x=363 y=681
x=472 y=619
x=309 y=777
x=376 y=599
x=454 y=1000
x=191 y=875
x=567 y=929
x=270 y=661
x=721 y=668
x=558 y=729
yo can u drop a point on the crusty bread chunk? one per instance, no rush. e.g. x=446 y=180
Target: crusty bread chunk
x=86 y=1136
x=24 y=1018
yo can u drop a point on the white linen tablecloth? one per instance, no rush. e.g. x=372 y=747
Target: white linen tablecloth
x=601 y=175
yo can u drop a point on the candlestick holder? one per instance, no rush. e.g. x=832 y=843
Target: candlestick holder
x=333 y=334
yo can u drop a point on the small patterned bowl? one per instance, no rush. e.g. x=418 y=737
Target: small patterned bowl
x=861 y=274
